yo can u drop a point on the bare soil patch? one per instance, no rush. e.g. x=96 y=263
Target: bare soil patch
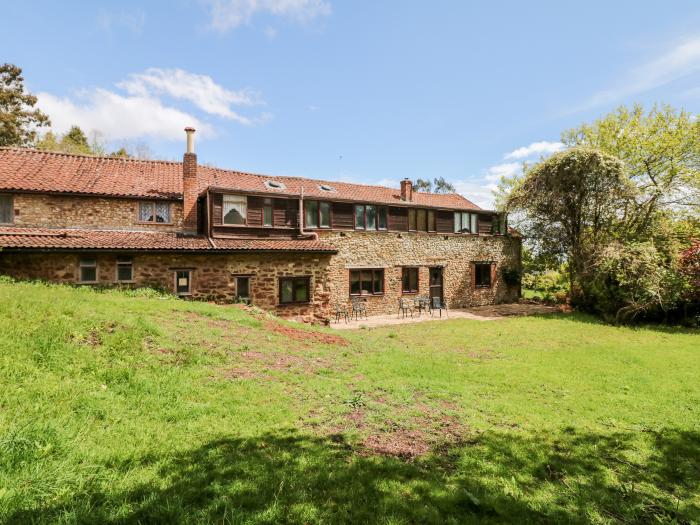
x=306 y=336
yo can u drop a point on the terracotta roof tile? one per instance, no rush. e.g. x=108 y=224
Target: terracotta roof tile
x=43 y=171
x=78 y=239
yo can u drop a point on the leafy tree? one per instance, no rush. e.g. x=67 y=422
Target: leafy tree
x=570 y=203
x=442 y=186
x=18 y=118
x=423 y=185
x=439 y=185
x=75 y=141
x=661 y=153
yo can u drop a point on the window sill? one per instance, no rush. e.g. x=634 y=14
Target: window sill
x=409 y=293
x=483 y=287
x=184 y=294
x=360 y=296
x=125 y=282
x=305 y=303
x=151 y=223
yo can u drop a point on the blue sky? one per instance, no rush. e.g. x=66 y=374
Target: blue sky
x=363 y=91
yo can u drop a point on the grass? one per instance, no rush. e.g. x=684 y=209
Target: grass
x=137 y=408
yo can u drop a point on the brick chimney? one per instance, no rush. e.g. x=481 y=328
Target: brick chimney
x=189 y=185
x=406 y=190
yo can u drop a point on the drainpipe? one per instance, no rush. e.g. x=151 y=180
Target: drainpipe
x=302 y=233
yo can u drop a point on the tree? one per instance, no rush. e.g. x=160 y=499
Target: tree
x=76 y=142
x=439 y=184
x=423 y=185
x=661 y=153
x=442 y=186
x=570 y=204
x=18 y=118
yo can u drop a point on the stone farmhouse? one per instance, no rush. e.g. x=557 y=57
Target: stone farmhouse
x=294 y=246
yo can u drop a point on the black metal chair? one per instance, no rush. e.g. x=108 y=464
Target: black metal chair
x=341 y=310
x=438 y=304
x=421 y=304
x=405 y=306
x=359 y=308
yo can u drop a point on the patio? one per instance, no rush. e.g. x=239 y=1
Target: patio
x=477 y=313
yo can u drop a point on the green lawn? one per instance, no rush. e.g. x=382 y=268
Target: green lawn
x=119 y=408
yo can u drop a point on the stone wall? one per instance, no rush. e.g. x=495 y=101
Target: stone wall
x=58 y=211
x=213 y=275
x=392 y=251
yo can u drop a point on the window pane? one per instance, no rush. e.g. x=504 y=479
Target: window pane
x=422 y=221
x=359 y=217
x=410 y=280
x=6 y=209
x=458 y=222
x=325 y=208
x=465 y=222
x=366 y=283
x=235 y=209
x=431 y=221
x=162 y=212
x=243 y=287
x=412 y=220
x=301 y=290
x=88 y=274
x=286 y=290
x=182 y=281
x=267 y=215
x=371 y=212
x=311 y=216
x=146 y=211
x=124 y=272
x=483 y=275
x=378 y=281
x=474 y=224
x=381 y=218
x=355 y=282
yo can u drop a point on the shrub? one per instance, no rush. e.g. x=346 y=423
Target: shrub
x=631 y=281
x=511 y=276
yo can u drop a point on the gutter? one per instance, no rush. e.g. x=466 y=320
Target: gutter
x=302 y=233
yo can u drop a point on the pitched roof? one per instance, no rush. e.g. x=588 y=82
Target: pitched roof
x=78 y=239
x=45 y=171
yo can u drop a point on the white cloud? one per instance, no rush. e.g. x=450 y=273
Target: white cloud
x=477 y=192
x=229 y=14
x=141 y=111
x=201 y=90
x=535 y=148
x=117 y=117
x=679 y=61
x=270 y=32
x=133 y=20
x=508 y=169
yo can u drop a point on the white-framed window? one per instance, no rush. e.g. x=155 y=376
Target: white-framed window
x=87 y=270
x=125 y=269
x=154 y=211
x=235 y=209
x=7 y=214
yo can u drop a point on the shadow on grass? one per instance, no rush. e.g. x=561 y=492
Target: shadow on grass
x=497 y=477
x=587 y=318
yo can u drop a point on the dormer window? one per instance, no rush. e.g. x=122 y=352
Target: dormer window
x=325 y=187
x=274 y=185
x=235 y=209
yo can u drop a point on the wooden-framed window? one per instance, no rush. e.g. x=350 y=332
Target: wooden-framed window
x=295 y=290
x=125 y=269
x=466 y=222
x=370 y=217
x=183 y=282
x=7 y=211
x=412 y=220
x=154 y=212
x=367 y=281
x=243 y=288
x=432 y=226
x=267 y=212
x=235 y=209
x=87 y=270
x=482 y=275
x=409 y=280
x=317 y=214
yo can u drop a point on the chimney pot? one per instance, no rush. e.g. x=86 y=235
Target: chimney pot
x=190 y=139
